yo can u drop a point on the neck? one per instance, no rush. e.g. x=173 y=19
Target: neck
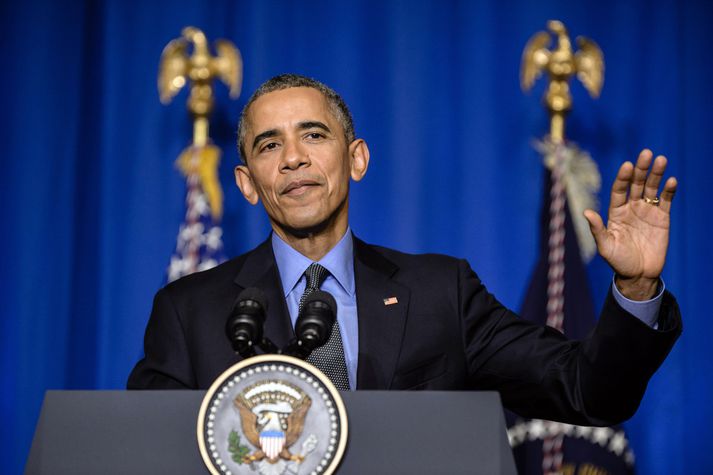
x=313 y=244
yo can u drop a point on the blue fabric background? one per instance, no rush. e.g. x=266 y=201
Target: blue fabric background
x=91 y=202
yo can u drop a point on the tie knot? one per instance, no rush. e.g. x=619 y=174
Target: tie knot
x=315 y=274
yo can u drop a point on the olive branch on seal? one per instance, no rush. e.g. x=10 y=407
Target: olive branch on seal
x=237 y=450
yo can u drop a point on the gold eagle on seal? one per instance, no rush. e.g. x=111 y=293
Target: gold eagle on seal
x=272 y=417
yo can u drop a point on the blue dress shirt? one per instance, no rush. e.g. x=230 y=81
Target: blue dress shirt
x=644 y=310
x=339 y=261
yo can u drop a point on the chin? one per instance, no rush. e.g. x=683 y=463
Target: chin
x=304 y=226
x=311 y=221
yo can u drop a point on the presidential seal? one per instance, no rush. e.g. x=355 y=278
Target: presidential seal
x=272 y=415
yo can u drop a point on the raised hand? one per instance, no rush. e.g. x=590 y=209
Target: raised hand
x=635 y=240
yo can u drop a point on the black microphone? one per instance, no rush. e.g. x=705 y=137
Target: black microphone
x=245 y=325
x=314 y=324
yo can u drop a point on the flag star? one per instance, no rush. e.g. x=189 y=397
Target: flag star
x=213 y=238
x=601 y=435
x=175 y=268
x=190 y=232
x=180 y=266
x=554 y=428
x=618 y=443
x=537 y=429
x=582 y=432
x=629 y=457
x=511 y=439
x=517 y=433
x=200 y=205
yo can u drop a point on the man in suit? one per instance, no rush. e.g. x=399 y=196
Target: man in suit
x=411 y=321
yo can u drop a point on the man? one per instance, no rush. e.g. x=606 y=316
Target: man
x=407 y=321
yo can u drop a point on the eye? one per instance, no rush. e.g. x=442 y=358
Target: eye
x=268 y=146
x=314 y=136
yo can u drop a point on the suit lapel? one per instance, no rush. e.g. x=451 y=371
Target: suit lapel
x=260 y=270
x=381 y=326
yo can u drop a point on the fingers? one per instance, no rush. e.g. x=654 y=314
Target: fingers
x=640 y=171
x=596 y=226
x=669 y=190
x=644 y=180
x=621 y=185
x=651 y=190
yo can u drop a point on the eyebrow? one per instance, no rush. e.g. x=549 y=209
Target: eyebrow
x=265 y=135
x=313 y=124
x=309 y=124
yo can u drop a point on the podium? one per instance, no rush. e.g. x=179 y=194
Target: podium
x=150 y=432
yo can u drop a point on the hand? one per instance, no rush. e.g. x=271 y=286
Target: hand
x=635 y=240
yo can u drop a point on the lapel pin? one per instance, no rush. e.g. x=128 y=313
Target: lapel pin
x=391 y=301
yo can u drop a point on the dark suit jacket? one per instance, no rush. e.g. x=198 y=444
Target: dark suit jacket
x=445 y=333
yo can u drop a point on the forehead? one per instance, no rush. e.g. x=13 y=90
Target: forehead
x=285 y=108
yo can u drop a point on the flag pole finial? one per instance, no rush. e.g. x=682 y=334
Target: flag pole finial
x=561 y=64
x=177 y=68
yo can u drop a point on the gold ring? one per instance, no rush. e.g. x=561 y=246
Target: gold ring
x=652 y=201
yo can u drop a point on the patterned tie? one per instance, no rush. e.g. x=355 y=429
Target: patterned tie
x=329 y=358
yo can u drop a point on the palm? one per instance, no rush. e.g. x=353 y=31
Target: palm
x=635 y=240
x=638 y=238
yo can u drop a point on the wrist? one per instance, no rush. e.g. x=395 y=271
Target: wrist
x=637 y=288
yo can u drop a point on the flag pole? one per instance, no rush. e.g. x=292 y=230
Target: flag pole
x=199 y=244
x=558 y=292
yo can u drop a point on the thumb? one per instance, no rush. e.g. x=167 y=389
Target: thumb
x=596 y=226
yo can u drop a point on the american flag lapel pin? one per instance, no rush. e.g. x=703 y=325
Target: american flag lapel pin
x=391 y=301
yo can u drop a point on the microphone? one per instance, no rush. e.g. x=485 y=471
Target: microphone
x=245 y=325
x=314 y=324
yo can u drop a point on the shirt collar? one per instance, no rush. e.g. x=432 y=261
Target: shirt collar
x=339 y=261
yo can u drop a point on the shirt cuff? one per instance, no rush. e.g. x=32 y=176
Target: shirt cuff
x=645 y=310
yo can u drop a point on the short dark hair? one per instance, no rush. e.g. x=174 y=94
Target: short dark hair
x=338 y=107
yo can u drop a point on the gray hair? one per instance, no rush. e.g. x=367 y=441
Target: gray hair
x=337 y=106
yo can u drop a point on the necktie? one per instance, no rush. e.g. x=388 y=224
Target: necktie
x=329 y=358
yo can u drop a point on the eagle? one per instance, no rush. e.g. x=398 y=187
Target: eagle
x=176 y=67
x=273 y=428
x=561 y=63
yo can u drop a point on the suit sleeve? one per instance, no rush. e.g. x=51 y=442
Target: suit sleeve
x=541 y=374
x=166 y=362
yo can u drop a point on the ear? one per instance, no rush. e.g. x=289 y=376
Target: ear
x=359 y=154
x=245 y=182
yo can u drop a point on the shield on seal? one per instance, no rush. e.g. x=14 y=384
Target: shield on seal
x=271 y=442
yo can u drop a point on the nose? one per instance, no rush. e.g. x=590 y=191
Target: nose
x=294 y=155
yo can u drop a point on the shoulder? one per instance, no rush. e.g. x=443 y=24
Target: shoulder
x=403 y=262
x=221 y=272
x=212 y=281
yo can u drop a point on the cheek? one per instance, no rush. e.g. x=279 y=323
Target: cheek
x=264 y=185
x=268 y=198
x=339 y=179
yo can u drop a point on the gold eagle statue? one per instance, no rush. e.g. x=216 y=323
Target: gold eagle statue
x=561 y=64
x=176 y=68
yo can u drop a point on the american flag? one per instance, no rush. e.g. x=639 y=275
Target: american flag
x=199 y=245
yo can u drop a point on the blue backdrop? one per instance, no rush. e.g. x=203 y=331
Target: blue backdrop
x=91 y=202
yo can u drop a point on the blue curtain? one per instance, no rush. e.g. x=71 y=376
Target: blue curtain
x=91 y=201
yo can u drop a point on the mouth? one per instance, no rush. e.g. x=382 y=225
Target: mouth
x=299 y=187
